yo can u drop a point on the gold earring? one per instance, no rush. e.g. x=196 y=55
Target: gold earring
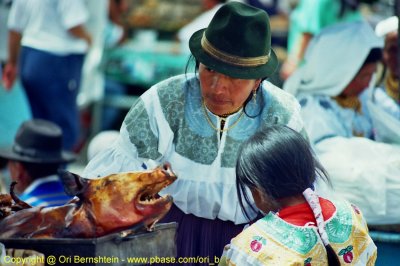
x=254 y=95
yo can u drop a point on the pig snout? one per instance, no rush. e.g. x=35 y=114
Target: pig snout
x=166 y=169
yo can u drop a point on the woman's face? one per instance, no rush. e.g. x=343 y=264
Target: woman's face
x=361 y=81
x=223 y=94
x=390 y=52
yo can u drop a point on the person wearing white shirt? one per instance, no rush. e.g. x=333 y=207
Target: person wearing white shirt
x=47 y=44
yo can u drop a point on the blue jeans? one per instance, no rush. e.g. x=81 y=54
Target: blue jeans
x=52 y=84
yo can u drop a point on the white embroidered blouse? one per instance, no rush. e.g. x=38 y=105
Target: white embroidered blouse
x=168 y=124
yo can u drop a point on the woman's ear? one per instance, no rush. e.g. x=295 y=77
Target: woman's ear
x=257 y=84
x=263 y=201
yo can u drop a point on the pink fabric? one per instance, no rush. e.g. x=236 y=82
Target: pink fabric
x=313 y=201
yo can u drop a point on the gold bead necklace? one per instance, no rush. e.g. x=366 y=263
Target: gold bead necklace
x=351 y=102
x=222 y=118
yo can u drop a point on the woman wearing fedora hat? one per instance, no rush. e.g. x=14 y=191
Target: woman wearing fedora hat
x=34 y=160
x=197 y=123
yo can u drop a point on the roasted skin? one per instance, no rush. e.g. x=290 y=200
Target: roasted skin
x=102 y=206
x=10 y=203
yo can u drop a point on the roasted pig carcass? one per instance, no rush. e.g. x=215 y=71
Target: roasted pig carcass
x=101 y=206
x=10 y=203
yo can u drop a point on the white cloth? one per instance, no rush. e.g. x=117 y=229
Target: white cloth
x=387 y=25
x=100 y=142
x=196 y=24
x=92 y=83
x=358 y=167
x=364 y=172
x=45 y=23
x=380 y=98
x=324 y=118
x=333 y=58
x=385 y=115
x=113 y=34
x=168 y=124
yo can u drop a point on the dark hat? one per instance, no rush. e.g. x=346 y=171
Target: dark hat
x=236 y=43
x=38 y=141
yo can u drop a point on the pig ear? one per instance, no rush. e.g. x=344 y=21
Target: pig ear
x=73 y=183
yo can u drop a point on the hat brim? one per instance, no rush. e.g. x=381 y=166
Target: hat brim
x=203 y=57
x=9 y=154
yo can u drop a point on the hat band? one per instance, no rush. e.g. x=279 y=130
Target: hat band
x=232 y=59
x=35 y=153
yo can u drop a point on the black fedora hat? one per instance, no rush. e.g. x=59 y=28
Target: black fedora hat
x=236 y=43
x=38 y=141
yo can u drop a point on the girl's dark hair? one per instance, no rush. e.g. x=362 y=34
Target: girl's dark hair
x=277 y=160
x=280 y=162
x=259 y=91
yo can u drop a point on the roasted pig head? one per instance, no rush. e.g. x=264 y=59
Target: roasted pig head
x=102 y=206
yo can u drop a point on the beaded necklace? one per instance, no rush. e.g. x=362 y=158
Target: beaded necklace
x=392 y=87
x=351 y=102
x=223 y=119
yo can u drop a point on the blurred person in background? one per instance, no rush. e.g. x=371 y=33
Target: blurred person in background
x=339 y=65
x=383 y=100
x=34 y=160
x=14 y=106
x=47 y=46
x=273 y=7
x=115 y=34
x=387 y=94
x=307 y=19
x=116 y=31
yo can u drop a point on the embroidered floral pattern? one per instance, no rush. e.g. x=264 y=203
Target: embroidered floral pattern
x=257 y=243
x=230 y=153
x=307 y=262
x=190 y=138
x=339 y=227
x=197 y=148
x=283 y=240
x=140 y=134
x=299 y=239
x=347 y=254
x=180 y=101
